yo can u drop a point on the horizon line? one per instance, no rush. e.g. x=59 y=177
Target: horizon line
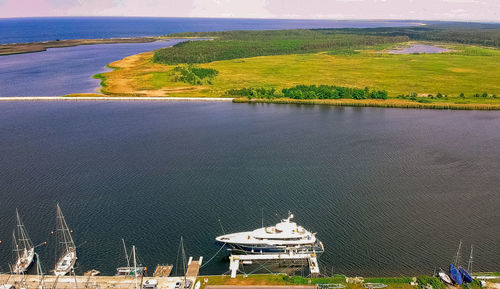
x=264 y=18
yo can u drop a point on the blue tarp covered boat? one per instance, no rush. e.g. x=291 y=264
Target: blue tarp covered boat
x=455 y=275
x=465 y=275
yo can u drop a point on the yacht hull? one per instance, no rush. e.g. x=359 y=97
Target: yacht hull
x=267 y=248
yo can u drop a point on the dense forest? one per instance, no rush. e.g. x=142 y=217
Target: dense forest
x=239 y=44
x=452 y=32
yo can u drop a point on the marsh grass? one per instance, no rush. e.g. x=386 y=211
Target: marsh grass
x=102 y=77
x=388 y=103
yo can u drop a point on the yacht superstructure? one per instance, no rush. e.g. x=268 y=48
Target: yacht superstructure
x=284 y=236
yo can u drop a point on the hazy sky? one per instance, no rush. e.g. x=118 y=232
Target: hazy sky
x=484 y=10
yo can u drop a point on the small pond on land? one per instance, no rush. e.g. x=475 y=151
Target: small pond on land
x=418 y=48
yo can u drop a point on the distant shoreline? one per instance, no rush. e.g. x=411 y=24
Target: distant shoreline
x=31 y=47
x=388 y=103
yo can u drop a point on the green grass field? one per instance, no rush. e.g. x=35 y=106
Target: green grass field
x=281 y=279
x=449 y=73
x=470 y=70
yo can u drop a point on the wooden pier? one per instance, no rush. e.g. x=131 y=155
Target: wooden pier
x=163 y=270
x=193 y=267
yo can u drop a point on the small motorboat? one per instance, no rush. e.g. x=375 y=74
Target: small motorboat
x=444 y=277
x=92 y=272
x=466 y=277
x=455 y=275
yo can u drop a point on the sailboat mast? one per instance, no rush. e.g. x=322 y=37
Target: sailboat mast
x=135 y=267
x=126 y=253
x=39 y=271
x=457 y=258
x=469 y=264
x=16 y=246
x=183 y=259
x=63 y=232
x=22 y=234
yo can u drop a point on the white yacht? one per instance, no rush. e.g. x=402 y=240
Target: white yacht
x=23 y=247
x=284 y=236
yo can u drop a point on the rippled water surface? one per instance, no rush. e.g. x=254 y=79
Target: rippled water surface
x=389 y=191
x=60 y=71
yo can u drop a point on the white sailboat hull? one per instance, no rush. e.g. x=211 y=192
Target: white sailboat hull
x=24 y=262
x=445 y=278
x=65 y=263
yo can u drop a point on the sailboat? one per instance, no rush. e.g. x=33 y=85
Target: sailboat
x=465 y=273
x=66 y=246
x=23 y=247
x=130 y=270
x=444 y=277
x=455 y=275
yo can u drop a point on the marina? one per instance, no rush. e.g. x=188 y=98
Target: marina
x=284 y=249
x=149 y=203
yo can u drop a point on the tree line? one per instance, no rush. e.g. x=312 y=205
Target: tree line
x=310 y=92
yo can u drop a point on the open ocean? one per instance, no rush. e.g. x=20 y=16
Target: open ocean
x=19 y=30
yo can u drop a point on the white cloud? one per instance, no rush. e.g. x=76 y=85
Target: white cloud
x=461 y=1
x=230 y=8
x=480 y=10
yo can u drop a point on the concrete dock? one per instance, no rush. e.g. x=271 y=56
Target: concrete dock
x=311 y=258
x=111 y=98
x=89 y=282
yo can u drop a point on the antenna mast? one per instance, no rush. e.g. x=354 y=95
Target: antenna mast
x=262 y=217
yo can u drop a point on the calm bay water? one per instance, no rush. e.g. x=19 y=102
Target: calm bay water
x=60 y=71
x=389 y=191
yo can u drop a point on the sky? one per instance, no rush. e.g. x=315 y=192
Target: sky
x=465 y=10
